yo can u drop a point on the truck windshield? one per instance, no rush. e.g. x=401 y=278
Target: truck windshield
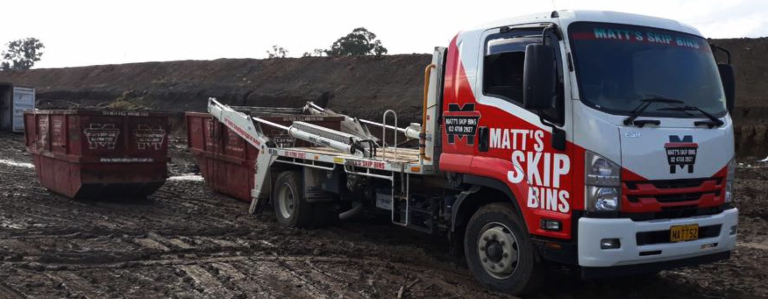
x=619 y=65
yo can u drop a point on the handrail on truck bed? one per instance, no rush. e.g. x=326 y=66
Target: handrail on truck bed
x=384 y=132
x=423 y=134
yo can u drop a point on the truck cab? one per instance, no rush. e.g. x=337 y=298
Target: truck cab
x=595 y=139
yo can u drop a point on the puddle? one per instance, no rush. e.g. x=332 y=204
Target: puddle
x=9 y=223
x=16 y=164
x=189 y=177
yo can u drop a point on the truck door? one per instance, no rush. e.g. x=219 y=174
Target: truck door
x=538 y=173
x=501 y=139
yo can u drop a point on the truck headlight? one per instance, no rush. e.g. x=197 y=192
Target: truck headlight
x=603 y=181
x=729 y=180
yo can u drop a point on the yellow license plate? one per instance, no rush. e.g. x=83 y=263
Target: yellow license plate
x=679 y=233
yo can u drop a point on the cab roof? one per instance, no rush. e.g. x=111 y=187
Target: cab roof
x=566 y=17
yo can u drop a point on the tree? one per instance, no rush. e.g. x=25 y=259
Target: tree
x=277 y=52
x=314 y=53
x=360 y=42
x=22 y=54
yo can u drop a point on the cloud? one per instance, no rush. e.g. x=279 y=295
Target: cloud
x=727 y=19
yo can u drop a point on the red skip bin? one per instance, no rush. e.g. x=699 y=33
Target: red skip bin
x=99 y=154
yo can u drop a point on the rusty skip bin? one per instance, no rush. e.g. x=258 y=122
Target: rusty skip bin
x=99 y=154
x=227 y=161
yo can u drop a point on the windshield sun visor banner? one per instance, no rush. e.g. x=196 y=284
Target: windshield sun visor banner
x=607 y=32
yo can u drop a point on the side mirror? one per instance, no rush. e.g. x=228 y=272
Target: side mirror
x=728 y=79
x=539 y=86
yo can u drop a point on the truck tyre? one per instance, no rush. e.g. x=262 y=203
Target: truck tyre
x=290 y=207
x=499 y=252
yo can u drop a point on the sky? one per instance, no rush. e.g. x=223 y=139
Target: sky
x=93 y=32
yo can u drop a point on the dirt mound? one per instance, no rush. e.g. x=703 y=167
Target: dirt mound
x=751 y=110
x=365 y=86
x=748 y=57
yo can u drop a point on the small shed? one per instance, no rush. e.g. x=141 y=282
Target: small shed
x=14 y=100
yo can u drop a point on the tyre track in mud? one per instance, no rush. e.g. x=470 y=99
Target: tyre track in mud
x=61 y=243
x=187 y=242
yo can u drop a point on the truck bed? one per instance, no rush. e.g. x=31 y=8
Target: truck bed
x=404 y=155
x=406 y=160
x=335 y=147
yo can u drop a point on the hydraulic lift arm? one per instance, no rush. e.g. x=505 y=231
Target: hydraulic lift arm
x=238 y=122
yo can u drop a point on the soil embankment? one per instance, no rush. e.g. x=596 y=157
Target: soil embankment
x=365 y=86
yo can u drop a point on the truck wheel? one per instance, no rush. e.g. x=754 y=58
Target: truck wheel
x=499 y=252
x=290 y=207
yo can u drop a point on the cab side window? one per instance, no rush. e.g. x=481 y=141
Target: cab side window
x=503 y=67
x=503 y=64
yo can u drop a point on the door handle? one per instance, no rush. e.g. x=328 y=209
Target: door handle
x=482 y=136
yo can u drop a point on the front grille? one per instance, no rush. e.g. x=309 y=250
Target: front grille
x=673 y=213
x=662 y=236
x=658 y=199
x=670 y=198
x=674 y=184
x=683 y=197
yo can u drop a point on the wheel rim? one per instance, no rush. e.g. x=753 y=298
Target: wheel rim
x=497 y=248
x=286 y=200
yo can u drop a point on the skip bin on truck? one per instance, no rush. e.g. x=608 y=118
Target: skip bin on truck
x=599 y=140
x=226 y=160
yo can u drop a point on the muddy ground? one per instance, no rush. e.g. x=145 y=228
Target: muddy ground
x=188 y=242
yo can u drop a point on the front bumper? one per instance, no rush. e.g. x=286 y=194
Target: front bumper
x=592 y=230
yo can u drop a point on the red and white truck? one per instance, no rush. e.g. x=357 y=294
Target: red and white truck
x=595 y=139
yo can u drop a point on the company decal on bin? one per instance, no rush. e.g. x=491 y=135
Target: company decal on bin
x=42 y=127
x=149 y=137
x=101 y=135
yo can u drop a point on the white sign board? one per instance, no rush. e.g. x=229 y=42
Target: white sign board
x=23 y=100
